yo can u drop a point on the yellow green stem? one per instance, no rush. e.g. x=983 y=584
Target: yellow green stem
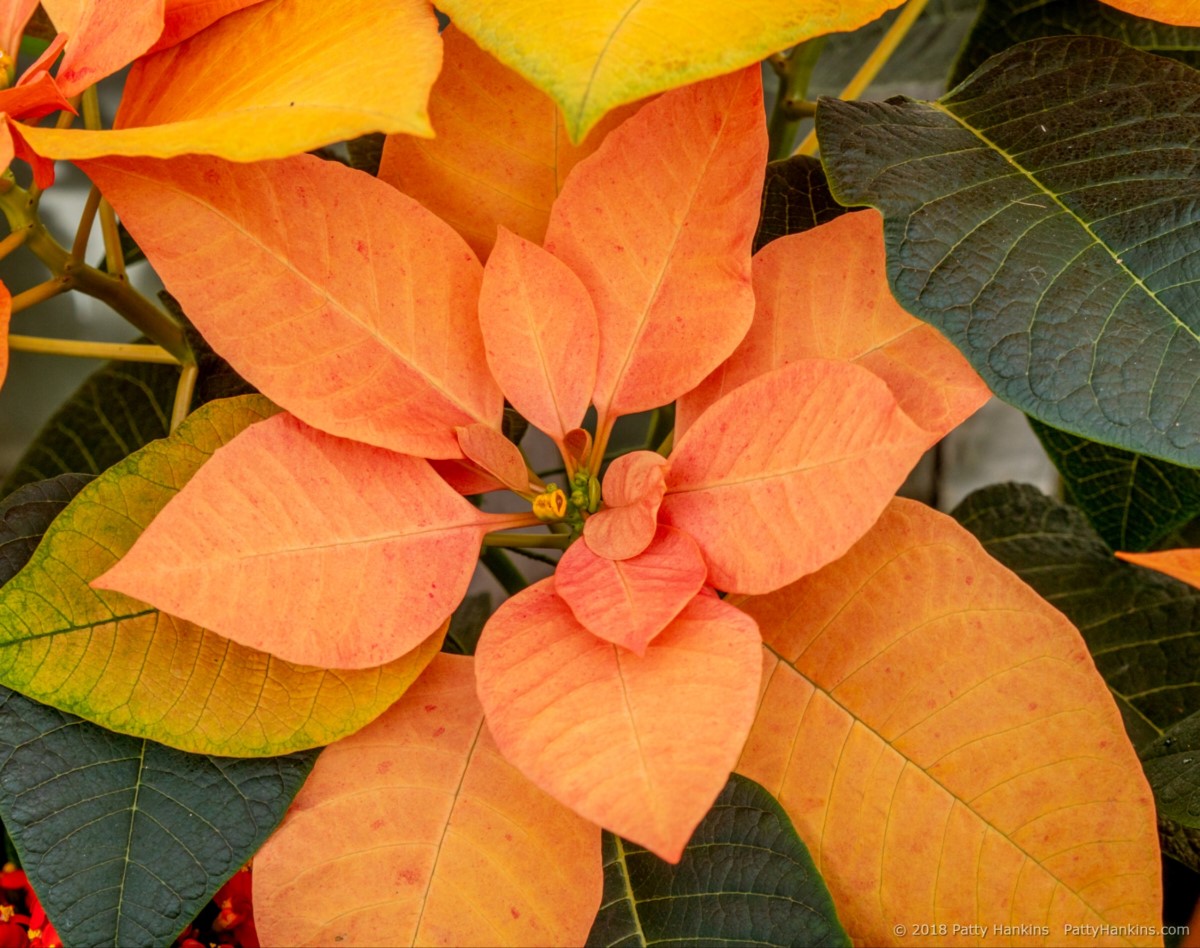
x=19 y=207
x=183 y=395
x=86 y=219
x=40 y=293
x=874 y=63
x=127 y=352
x=550 y=541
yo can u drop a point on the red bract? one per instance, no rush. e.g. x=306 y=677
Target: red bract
x=325 y=550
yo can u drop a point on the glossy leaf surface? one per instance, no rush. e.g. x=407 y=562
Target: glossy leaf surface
x=783 y=474
x=505 y=172
x=539 y=329
x=745 y=878
x=823 y=294
x=441 y=840
x=640 y=745
x=275 y=79
x=658 y=225
x=318 y=550
x=1004 y=23
x=796 y=198
x=1121 y=610
x=628 y=602
x=1049 y=238
x=365 y=304
x=593 y=55
x=940 y=737
x=126 y=840
x=1132 y=500
x=77 y=649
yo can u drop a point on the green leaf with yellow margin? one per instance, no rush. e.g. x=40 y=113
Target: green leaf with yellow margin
x=590 y=56
x=125 y=666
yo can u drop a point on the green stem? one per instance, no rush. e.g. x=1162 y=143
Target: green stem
x=183 y=395
x=794 y=70
x=20 y=209
x=874 y=63
x=118 y=351
x=668 y=443
x=549 y=541
x=504 y=570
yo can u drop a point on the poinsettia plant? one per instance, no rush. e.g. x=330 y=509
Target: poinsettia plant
x=754 y=697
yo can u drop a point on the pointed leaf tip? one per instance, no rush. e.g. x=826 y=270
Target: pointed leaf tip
x=640 y=745
x=277 y=539
x=658 y=225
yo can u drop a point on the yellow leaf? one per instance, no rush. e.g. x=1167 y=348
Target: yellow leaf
x=272 y=80
x=592 y=55
x=947 y=750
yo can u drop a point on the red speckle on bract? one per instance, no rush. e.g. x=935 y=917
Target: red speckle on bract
x=1032 y=705
x=211 y=177
x=361 y=247
x=508 y=837
x=439 y=732
x=409 y=876
x=515 y=913
x=376 y=824
x=969 y=580
x=383 y=767
x=431 y=707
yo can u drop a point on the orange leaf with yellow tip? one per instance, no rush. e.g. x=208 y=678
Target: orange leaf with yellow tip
x=105 y=35
x=505 y=172
x=628 y=602
x=440 y=841
x=823 y=294
x=783 y=474
x=640 y=745
x=593 y=55
x=317 y=550
x=495 y=454
x=1183 y=564
x=539 y=328
x=1176 y=12
x=274 y=79
x=633 y=489
x=364 y=304
x=940 y=738
x=658 y=225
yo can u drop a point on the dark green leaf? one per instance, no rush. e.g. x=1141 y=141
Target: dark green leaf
x=744 y=879
x=466 y=624
x=25 y=514
x=1004 y=23
x=1172 y=765
x=1045 y=215
x=1142 y=628
x=1132 y=500
x=795 y=198
x=124 y=840
x=366 y=152
x=120 y=408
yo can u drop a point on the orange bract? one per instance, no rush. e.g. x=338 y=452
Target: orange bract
x=185 y=18
x=940 y=738
x=259 y=544
x=640 y=745
x=658 y=225
x=364 y=304
x=502 y=172
x=439 y=840
x=823 y=294
x=633 y=491
x=105 y=35
x=1177 y=12
x=1183 y=565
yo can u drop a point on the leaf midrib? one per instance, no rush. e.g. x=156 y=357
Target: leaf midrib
x=1084 y=225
